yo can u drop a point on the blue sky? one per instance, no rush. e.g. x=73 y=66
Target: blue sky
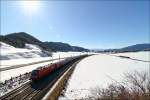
x=90 y=24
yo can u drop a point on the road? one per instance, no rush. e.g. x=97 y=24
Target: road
x=36 y=90
x=25 y=65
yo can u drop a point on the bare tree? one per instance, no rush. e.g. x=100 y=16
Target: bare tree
x=139 y=84
x=136 y=87
x=139 y=81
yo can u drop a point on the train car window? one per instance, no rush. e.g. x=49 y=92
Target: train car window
x=34 y=73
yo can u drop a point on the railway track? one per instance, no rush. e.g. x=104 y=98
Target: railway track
x=14 y=92
x=36 y=90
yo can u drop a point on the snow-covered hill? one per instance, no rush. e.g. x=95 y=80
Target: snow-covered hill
x=30 y=51
x=33 y=47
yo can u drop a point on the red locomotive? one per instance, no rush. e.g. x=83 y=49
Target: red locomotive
x=45 y=70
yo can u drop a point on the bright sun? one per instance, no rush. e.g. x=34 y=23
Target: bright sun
x=30 y=7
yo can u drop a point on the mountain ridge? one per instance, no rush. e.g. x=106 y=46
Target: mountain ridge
x=131 y=48
x=21 y=38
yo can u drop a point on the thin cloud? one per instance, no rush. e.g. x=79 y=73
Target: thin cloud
x=58 y=35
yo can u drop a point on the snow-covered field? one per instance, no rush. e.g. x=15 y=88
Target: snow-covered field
x=101 y=70
x=145 y=55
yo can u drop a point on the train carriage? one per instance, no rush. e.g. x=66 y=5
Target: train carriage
x=43 y=71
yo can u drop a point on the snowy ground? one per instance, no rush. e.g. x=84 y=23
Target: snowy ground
x=101 y=70
x=145 y=55
x=13 y=83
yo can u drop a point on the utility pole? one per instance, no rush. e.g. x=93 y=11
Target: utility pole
x=71 y=56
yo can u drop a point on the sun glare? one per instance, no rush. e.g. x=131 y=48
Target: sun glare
x=30 y=7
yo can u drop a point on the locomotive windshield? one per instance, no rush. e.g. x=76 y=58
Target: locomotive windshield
x=34 y=73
